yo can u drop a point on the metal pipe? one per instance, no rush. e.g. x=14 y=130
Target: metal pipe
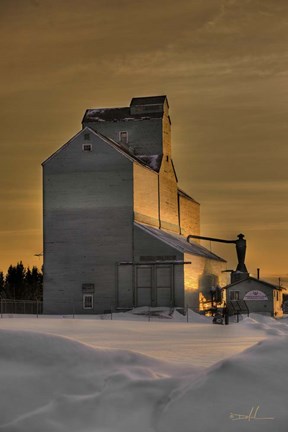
x=240 y=248
x=210 y=238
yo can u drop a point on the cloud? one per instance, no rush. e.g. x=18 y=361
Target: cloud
x=223 y=64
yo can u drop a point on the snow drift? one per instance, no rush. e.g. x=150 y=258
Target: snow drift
x=51 y=383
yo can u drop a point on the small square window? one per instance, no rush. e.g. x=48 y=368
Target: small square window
x=87 y=301
x=234 y=295
x=123 y=137
x=86 y=136
x=87 y=147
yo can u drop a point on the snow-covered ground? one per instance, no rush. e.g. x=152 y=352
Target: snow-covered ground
x=135 y=375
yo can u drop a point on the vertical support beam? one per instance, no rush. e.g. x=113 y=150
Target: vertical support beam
x=117 y=286
x=173 y=284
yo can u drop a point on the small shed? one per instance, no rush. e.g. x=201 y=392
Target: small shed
x=260 y=296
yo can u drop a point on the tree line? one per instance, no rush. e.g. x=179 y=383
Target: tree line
x=20 y=283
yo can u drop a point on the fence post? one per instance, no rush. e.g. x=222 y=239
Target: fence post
x=1 y=308
x=37 y=307
x=73 y=308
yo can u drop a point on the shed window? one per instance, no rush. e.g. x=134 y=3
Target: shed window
x=234 y=295
x=123 y=137
x=87 y=147
x=87 y=301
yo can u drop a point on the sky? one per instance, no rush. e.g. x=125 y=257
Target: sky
x=223 y=65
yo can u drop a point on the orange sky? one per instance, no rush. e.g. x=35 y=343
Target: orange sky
x=224 y=67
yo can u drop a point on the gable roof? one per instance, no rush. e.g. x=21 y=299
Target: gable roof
x=267 y=284
x=117 y=146
x=178 y=242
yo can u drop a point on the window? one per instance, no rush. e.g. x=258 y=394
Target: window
x=234 y=295
x=123 y=137
x=87 y=301
x=87 y=147
x=86 y=136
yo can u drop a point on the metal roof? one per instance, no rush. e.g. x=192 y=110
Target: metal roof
x=148 y=100
x=124 y=113
x=178 y=242
x=117 y=114
x=153 y=161
x=267 y=284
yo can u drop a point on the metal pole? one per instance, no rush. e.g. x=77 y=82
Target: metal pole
x=1 y=309
x=187 y=314
x=37 y=307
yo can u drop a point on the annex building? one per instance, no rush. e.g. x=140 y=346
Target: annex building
x=116 y=221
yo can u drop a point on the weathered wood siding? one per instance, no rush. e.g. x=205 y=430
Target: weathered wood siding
x=189 y=215
x=166 y=131
x=146 y=245
x=168 y=196
x=269 y=306
x=146 y=197
x=198 y=277
x=88 y=217
x=144 y=136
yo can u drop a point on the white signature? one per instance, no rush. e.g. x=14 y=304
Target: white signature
x=251 y=416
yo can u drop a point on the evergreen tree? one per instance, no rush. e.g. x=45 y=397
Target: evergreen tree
x=15 y=281
x=37 y=277
x=22 y=284
x=28 y=285
x=2 y=281
x=34 y=281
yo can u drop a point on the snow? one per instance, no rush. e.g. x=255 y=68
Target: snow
x=133 y=375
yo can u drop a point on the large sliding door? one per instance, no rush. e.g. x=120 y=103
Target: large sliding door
x=154 y=285
x=144 y=284
x=164 y=285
